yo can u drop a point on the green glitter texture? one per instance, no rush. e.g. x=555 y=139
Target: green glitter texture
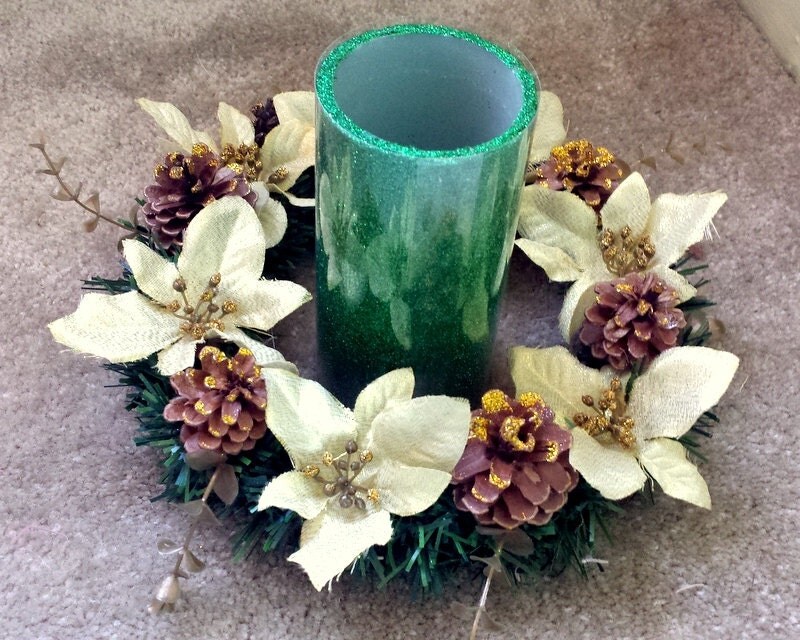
x=413 y=244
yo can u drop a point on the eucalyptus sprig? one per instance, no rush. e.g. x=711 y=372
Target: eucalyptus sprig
x=67 y=193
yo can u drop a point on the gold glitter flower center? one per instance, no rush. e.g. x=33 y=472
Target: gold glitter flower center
x=623 y=253
x=609 y=416
x=243 y=159
x=204 y=315
x=580 y=157
x=347 y=466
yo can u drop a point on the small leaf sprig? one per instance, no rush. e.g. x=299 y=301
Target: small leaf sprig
x=515 y=542
x=225 y=485
x=66 y=193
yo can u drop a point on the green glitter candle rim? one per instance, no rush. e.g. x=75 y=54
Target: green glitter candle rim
x=326 y=75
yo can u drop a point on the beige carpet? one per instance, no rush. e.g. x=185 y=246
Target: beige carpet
x=77 y=532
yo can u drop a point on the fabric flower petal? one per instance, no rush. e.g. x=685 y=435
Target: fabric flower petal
x=559 y=219
x=119 y=328
x=271 y=214
x=405 y=490
x=557 y=264
x=264 y=355
x=175 y=125
x=289 y=146
x=629 y=206
x=295 y=105
x=666 y=461
x=614 y=472
x=679 y=221
x=548 y=131
x=579 y=297
x=154 y=274
x=293 y=490
x=377 y=395
x=427 y=432
x=328 y=544
x=177 y=356
x=265 y=302
x=234 y=127
x=305 y=417
x=557 y=376
x=226 y=238
x=693 y=380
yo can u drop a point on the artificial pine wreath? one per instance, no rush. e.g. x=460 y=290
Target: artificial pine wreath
x=523 y=483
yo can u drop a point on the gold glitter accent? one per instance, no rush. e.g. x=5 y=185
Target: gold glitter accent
x=257 y=371
x=530 y=399
x=495 y=401
x=588 y=158
x=509 y=432
x=214 y=280
x=176 y=173
x=477 y=495
x=160 y=168
x=243 y=159
x=232 y=396
x=310 y=471
x=552 y=451
x=210 y=382
x=214 y=432
x=373 y=495
x=279 y=174
x=497 y=481
x=609 y=415
x=244 y=351
x=199 y=149
x=327 y=458
x=207 y=296
x=479 y=428
x=229 y=306
x=365 y=456
x=624 y=254
x=229 y=419
x=173 y=306
x=623 y=287
x=212 y=351
x=644 y=307
x=208 y=200
x=201 y=408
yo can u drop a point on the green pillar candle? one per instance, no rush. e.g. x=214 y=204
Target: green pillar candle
x=422 y=139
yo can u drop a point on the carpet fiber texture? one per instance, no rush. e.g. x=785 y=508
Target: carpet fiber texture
x=77 y=530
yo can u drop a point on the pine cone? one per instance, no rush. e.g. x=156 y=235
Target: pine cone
x=221 y=404
x=590 y=172
x=515 y=468
x=633 y=318
x=266 y=119
x=183 y=186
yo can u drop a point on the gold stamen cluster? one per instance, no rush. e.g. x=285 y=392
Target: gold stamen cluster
x=580 y=157
x=347 y=470
x=625 y=253
x=243 y=159
x=609 y=416
x=200 y=319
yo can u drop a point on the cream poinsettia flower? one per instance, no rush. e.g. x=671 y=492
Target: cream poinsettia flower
x=391 y=455
x=618 y=443
x=559 y=233
x=548 y=130
x=214 y=289
x=287 y=151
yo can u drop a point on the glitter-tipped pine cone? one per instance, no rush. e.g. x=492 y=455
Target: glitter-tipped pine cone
x=515 y=468
x=183 y=186
x=222 y=404
x=633 y=318
x=592 y=173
